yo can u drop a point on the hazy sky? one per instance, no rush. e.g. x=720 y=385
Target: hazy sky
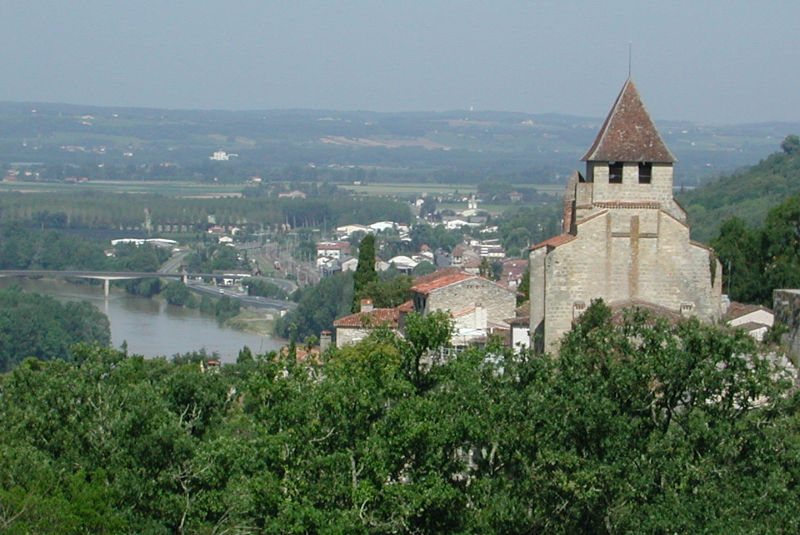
x=721 y=62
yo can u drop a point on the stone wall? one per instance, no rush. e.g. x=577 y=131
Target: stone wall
x=786 y=305
x=621 y=255
x=498 y=302
x=349 y=335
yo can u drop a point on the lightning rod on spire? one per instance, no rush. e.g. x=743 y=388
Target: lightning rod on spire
x=630 y=54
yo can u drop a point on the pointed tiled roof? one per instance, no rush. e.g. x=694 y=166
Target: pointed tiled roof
x=628 y=134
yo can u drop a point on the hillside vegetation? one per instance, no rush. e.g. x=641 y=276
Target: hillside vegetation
x=748 y=194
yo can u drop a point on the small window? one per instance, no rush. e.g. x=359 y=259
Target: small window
x=615 y=173
x=645 y=172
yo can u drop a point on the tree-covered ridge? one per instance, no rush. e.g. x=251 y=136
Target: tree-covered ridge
x=33 y=325
x=748 y=194
x=637 y=428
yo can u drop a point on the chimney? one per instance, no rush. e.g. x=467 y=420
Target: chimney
x=366 y=305
x=481 y=319
x=324 y=341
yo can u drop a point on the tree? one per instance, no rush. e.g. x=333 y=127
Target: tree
x=759 y=260
x=650 y=414
x=318 y=307
x=791 y=145
x=524 y=288
x=176 y=293
x=424 y=334
x=423 y=268
x=389 y=293
x=740 y=251
x=365 y=271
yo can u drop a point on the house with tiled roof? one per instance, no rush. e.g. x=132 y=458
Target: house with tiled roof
x=353 y=328
x=756 y=320
x=624 y=237
x=479 y=307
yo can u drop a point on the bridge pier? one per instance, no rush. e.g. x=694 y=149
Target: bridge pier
x=106 y=284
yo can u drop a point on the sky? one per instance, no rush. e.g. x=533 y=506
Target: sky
x=710 y=62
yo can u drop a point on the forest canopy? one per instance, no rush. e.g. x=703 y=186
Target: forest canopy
x=33 y=325
x=638 y=427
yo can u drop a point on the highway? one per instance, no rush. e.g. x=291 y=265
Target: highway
x=246 y=300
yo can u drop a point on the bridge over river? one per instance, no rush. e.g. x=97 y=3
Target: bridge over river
x=190 y=279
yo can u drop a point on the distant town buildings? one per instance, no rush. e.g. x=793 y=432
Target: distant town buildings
x=222 y=156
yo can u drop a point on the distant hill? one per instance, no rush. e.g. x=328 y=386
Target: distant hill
x=747 y=194
x=455 y=146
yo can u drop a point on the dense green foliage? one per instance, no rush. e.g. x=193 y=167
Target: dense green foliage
x=217 y=257
x=758 y=260
x=176 y=293
x=223 y=308
x=391 y=289
x=748 y=194
x=21 y=248
x=318 y=306
x=524 y=226
x=262 y=288
x=638 y=428
x=33 y=325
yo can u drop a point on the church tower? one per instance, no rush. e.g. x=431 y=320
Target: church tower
x=625 y=238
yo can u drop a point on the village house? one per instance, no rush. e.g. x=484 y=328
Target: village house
x=513 y=272
x=335 y=250
x=353 y=328
x=488 y=303
x=756 y=320
x=624 y=239
x=478 y=307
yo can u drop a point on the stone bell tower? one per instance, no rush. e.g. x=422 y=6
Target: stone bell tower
x=625 y=238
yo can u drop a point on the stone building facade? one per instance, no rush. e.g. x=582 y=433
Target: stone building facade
x=625 y=239
x=478 y=308
x=458 y=292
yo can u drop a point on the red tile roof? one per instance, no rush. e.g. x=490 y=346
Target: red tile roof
x=375 y=317
x=436 y=275
x=441 y=282
x=408 y=306
x=555 y=241
x=628 y=134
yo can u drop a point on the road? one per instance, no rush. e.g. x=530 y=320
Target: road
x=173 y=265
x=247 y=300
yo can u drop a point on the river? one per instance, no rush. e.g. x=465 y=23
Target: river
x=152 y=327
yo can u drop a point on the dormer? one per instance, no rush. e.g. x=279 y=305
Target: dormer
x=629 y=161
